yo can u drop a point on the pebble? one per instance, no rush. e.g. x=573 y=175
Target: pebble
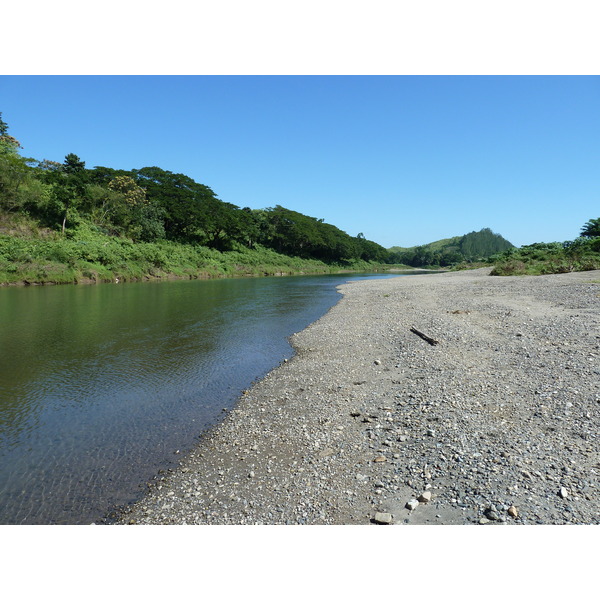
x=425 y=497
x=503 y=432
x=492 y=515
x=412 y=504
x=383 y=518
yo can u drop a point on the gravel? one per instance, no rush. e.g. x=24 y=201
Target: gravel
x=496 y=424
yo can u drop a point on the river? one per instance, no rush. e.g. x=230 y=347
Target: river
x=103 y=386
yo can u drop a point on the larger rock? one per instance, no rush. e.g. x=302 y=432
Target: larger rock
x=383 y=518
x=412 y=504
x=425 y=497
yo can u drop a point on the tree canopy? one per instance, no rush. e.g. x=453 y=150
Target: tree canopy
x=151 y=203
x=591 y=228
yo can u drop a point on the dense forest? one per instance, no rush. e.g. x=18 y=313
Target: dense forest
x=476 y=246
x=101 y=206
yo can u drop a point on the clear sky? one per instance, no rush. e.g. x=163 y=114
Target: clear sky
x=405 y=160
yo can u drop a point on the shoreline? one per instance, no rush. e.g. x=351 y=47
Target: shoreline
x=496 y=424
x=204 y=275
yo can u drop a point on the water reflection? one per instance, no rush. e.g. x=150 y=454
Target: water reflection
x=100 y=385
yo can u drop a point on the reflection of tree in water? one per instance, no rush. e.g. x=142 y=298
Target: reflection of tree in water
x=99 y=384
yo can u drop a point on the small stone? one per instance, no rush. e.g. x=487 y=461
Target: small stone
x=326 y=452
x=425 y=497
x=383 y=518
x=564 y=492
x=492 y=515
x=412 y=504
x=380 y=459
x=513 y=512
x=251 y=474
x=377 y=362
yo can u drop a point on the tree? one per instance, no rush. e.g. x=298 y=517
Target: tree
x=591 y=228
x=14 y=173
x=8 y=144
x=69 y=189
x=13 y=170
x=180 y=197
x=73 y=164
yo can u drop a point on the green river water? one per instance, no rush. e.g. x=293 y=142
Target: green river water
x=100 y=386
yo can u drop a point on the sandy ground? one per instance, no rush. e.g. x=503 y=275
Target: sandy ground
x=496 y=424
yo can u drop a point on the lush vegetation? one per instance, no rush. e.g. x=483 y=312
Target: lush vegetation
x=63 y=222
x=582 y=254
x=473 y=247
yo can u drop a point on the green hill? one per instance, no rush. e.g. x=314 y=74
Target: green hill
x=471 y=247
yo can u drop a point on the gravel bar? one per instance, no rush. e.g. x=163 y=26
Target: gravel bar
x=369 y=423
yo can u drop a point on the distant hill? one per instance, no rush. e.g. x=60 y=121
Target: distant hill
x=471 y=247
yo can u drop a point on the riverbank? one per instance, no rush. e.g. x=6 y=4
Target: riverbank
x=497 y=423
x=54 y=260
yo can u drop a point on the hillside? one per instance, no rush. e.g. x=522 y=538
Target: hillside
x=64 y=222
x=471 y=247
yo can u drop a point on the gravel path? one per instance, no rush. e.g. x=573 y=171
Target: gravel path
x=498 y=423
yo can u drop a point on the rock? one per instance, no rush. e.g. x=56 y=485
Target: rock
x=564 y=492
x=513 y=512
x=412 y=504
x=492 y=515
x=380 y=459
x=326 y=452
x=383 y=518
x=425 y=497
x=377 y=362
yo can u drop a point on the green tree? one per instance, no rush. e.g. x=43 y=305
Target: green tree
x=8 y=144
x=181 y=199
x=591 y=229
x=14 y=172
x=73 y=164
x=69 y=190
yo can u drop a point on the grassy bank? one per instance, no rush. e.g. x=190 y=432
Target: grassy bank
x=32 y=256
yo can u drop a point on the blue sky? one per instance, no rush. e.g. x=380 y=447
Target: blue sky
x=405 y=160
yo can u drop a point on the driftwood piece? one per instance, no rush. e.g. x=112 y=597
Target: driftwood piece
x=425 y=337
